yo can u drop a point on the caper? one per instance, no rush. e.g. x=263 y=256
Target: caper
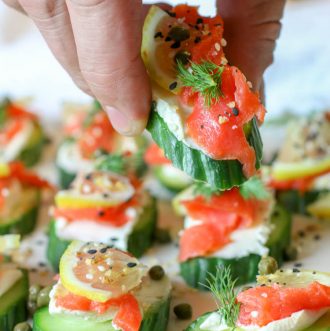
x=33 y=292
x=267 y=265
x=32 y=306
x=163 y=236
x=291 y=253
x=24 y=326
x=183 y=311
x=183 y=57
x=179 y=33
x=43 y=297
x=156 y=272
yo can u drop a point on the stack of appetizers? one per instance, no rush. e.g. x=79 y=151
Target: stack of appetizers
x=21 y=135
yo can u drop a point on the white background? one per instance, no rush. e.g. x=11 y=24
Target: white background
x=299 y=80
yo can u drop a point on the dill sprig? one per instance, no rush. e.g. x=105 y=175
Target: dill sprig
x=204 y=77
x=204 y=189
x=254 y=188
x=222 y=287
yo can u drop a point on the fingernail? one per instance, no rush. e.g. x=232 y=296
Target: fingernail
x=122 y=123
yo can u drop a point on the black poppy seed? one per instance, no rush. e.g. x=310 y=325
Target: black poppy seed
x=235 y=111
x=114 y=239
x=269 y=280
x=314 y=272
x=262 y=285
x=173 y=86
x=88 y=177
x=295 y=270
x=170 y=13
x=92 y=251
x=168 y=39
x=281 y=270
x=105 y=195
x=42 y=264
x=33 y=269
x=317 y=237
x=197 y=40
x=131 y=264
x=199 y=21
x=100 y=213
x=278 y=283
x=301 y=234
x=298 y=265
x=103 y=250
x=110 y=246
x=176 y=45
x=158 y=35
x=284 y=284
x=202 y=126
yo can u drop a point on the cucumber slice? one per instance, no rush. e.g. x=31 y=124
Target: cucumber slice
x=196 y=271
x=13 y=304
x=65 y=178
x=222 y=174
x=155 y=318
x=323 y=324
x=32 y=151
x=297 y=202
x=172 y=178
x=24 y=218
x=138 y=242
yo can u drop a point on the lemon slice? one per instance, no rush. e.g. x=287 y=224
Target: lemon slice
x=160 y=71
x=9 y=242
x=99 y=273
x=321 y=207
x=294 y=278
x=4 y=170
x=296 y=170
x=97 y=189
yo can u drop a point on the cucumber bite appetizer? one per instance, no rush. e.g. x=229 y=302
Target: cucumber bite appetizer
x=169 y=176
x=287 y=300
x=301 y=172
x=102 y=206
x=89 y=134
x=21 y=136
x=232 y=228
x=103 y=288
x=204 y=115
x=20 y=197
x=13 y=287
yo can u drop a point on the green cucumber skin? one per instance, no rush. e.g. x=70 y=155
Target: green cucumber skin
x=139 y=240
x=175 y=185
x=323 y=324
x=22 y=225
x=13 y=304
x=222 y=174
x=156 y=318
x=297 y=202
x=196 y=271
x=65 y=178
x=31 y=154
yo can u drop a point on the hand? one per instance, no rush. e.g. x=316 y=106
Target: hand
x=98 y=43
x=251 y=30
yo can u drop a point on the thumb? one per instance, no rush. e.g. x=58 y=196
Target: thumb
x=108 y=39
x=251 y=30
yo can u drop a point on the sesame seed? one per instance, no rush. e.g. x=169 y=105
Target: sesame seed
x=264 y=295
x=92 y=251
x=249 y=84
x=231 y=104
x=224 y=61
x=234 y=127
x=254 y=313
x=101 y=268
x=173 y=86
x=89 y=276
x=223 y=42
x=217 y=47
x=86 y=188
x=131 y=264
x=222 y=119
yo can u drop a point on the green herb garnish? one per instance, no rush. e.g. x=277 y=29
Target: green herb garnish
x=204 y=78
x=254 y=188
x=96 y=107
x=113 y=162
x=204 y=189
x=222 y=287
